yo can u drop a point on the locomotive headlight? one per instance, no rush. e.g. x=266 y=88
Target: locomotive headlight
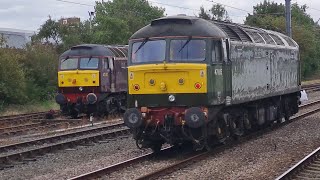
x=171 y=98
x=80 y=88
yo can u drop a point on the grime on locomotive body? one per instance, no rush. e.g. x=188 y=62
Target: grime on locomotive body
x=202 y=81
x=92 y=79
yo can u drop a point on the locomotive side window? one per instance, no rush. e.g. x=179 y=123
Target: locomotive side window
x=216 y=51
x=71 y=63
x=187 y=50
x=89 y=63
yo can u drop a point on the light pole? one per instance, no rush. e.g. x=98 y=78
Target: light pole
x=288 y=18
x=91 y=13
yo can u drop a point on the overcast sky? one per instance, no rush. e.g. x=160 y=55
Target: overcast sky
x=30 y=14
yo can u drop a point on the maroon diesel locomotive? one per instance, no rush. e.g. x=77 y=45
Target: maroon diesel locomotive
x=92 y=79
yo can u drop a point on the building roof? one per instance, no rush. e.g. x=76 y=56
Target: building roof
x=15 y=38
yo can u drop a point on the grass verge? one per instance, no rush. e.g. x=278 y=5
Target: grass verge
x=29 y=108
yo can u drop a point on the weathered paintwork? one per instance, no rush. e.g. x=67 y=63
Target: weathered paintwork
x=261 y=71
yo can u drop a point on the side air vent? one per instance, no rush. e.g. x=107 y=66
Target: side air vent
x=165 y=21
x=277 y=39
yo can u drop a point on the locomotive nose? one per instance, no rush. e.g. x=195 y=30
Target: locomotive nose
x=132 y=118
x=195 y=117
x=61 y=99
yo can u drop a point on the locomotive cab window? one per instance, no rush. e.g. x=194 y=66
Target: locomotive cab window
x=89 y=63
x=148 y=51
x=216 y=51
x=187 y=50
x=69 y=63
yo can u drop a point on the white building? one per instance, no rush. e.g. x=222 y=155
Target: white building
x=15 y=38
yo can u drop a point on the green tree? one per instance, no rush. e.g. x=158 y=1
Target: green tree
x=218 y=12
x=117 y=20
x=12 y=77
x=270 y=15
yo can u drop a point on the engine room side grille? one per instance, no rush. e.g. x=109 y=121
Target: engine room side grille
x=230 y=32
x=267 y=38
x=243 y=36
x=277 y=40
x=257 y=38
x=289 y=41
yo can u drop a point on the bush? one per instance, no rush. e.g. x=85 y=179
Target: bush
x=28 y=75
x=12 y=77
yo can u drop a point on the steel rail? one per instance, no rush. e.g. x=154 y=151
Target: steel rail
x=307 y=168
x=49 y=139
x=10 y=159
x=109 y=169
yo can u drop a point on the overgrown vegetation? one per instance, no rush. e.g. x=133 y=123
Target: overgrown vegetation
x=27 y=75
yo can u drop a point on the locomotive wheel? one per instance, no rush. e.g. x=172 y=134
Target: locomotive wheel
x=223 y=133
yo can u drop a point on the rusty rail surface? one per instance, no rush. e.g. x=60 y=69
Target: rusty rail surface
x=307 y=168
x=50 y=144
x=194 y=158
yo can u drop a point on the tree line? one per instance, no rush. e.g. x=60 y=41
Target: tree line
x=31 y=74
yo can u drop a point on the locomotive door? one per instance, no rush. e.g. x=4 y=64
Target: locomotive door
x=105 y=75
x=227 y=72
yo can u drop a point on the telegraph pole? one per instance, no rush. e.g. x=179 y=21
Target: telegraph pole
x=288 y=18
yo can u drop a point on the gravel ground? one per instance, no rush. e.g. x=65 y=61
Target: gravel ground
x=69 y=163
x=264 y=158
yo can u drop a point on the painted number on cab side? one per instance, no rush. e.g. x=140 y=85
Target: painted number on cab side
x=218 y=72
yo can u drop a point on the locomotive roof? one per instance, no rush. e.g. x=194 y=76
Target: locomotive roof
x=193 y=26
x=97 y=50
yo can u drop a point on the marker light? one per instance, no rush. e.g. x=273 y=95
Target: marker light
x=197 y=85
x=136 y=87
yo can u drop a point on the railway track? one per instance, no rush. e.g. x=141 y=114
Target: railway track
x=192 y=158
x=311 y=87
x=14 y=120
x=30 y=150
x=37 y=125
x=307 y=168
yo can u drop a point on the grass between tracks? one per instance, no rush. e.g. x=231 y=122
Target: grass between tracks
x=29 y=108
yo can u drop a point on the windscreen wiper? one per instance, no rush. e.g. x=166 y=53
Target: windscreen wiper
x=187 y=42
x=142 y=44
x=65 y=59
x=89 y=60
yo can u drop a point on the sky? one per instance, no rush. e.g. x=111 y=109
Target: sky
x=30 y=14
